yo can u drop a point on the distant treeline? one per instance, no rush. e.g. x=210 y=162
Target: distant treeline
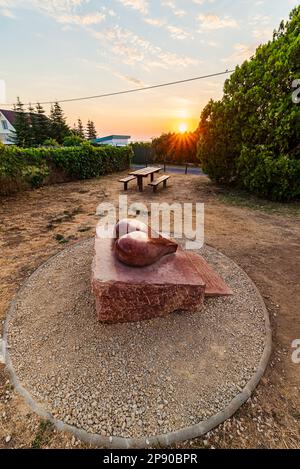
x=169 y=148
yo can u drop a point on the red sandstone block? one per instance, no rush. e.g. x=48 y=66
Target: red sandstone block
x=125 y=293
x=214 y=285
x=176 y=282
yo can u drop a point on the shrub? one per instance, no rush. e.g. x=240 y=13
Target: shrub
x=268 y=176
x=34 y=166
x=73 y=141
x=51 y=142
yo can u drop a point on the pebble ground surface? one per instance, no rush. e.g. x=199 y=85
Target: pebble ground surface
x=137 y=379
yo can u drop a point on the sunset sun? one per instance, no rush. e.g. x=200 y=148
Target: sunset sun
x=183 y=127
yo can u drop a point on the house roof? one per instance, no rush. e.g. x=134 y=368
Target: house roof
x=111 y=137
x=9 y=115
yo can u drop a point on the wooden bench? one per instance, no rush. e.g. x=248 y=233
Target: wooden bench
x=155 y=184
x=126 y=180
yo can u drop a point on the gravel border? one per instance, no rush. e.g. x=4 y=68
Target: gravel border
x=164 y=440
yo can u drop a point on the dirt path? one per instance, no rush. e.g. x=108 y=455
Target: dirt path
x=35 y=225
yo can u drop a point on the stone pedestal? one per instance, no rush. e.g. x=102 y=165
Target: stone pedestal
x=125 y=293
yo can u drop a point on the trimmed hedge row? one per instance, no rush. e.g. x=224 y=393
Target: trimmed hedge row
x=33 y=167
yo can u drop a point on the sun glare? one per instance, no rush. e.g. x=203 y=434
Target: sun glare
x=183 y=128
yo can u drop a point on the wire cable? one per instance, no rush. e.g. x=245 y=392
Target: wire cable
x=134 y=90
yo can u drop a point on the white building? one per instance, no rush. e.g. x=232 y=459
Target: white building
x=7 y=119
x=115 y=140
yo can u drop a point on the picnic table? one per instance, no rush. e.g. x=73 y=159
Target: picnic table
x=140 y=174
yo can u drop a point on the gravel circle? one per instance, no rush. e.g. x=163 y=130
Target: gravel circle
x=132 y=380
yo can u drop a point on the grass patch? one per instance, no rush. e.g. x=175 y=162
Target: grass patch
x=43 y=434
x=61 y=239
x=245 y=200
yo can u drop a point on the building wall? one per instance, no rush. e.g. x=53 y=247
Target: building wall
x=5 y=133
x=116 y=142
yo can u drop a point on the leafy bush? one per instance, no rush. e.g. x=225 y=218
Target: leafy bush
x=87 y=161
x=73 y=141
x=251 y=137
x=33 y=166
x=35 y=175
x=266 y=175
x=51 y=142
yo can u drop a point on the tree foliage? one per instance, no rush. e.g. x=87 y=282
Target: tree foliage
x=91 y=131
x=176 y=148
x=59 y=127
x=251 y=137
x=33 y=128
x=22 y=136
x=80 y=129
x=73 y=141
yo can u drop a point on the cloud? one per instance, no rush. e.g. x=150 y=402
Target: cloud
x=140 y=5
x=134 y=49
x=263 y=35
x=111 y=70
x=261 y=20
x=155 y=22
x=179 y=33
x=241 y=53
x=175 y=31
x=7 y=13
x=201 y=2
x=177 y=11
x=129 y=79
x=81 y=20
x=53 y=8
x=212 y=21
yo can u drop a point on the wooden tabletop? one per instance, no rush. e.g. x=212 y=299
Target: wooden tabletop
x=145 y=171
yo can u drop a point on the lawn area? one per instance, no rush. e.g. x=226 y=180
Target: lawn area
x=261 y=237
x=244 y=199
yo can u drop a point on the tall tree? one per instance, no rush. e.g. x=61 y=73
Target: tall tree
x=91 y=130
x=32 y=125
x=251 y=136
x=42 y=124
x=80 y=129
x=22 y=135
x=59 y=127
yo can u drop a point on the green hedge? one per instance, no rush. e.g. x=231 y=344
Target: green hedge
x=35 y=166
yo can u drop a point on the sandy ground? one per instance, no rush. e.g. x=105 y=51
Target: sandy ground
x=34 y=225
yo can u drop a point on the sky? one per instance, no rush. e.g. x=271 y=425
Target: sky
x=60 y=49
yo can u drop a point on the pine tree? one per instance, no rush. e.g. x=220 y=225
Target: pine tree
x=33 y=131
x=75 y=130
x=59 y=127
x=22 y=135
x=42 y=125
x=91 y=130
x=80 y=129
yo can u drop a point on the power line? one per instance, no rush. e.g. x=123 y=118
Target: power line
x=134 y=90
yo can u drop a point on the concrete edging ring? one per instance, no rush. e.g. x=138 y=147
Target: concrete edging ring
x=161 y=440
